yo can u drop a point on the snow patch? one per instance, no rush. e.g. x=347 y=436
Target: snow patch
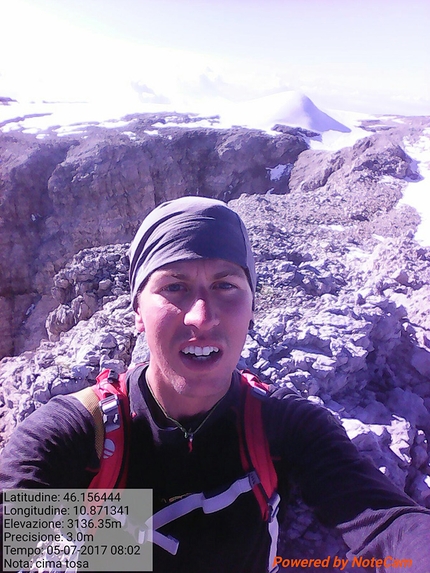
x=417 y=193
x=114 y=124
x=276 y=173
x=131 y=135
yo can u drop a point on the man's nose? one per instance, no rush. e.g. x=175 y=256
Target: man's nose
x=201 y=314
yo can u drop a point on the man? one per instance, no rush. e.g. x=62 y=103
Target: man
x=193 y=282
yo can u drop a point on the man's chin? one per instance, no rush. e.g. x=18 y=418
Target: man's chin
x=202 y=383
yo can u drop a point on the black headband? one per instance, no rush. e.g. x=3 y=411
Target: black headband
x=189 y=228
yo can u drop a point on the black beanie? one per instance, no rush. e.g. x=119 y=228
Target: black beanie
x=186 y=229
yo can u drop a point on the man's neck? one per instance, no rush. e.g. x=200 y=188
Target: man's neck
x=178 y=406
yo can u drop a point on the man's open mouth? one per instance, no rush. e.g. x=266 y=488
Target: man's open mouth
x=201 y=353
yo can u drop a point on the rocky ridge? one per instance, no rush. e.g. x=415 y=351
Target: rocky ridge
x=63 y=192
x=342 y=309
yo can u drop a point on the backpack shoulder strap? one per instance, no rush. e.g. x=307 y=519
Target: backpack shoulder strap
x=88 y=398
x=107 y=401
x=255 y=452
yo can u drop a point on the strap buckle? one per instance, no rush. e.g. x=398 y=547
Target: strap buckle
x=273 y=504
x=110 y=413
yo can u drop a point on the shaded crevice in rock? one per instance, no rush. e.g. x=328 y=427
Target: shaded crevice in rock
x=25 y=206
x=24 y=209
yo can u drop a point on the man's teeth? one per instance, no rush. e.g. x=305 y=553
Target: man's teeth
x=200 y=350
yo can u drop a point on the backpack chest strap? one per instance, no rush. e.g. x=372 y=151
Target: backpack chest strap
x=184 y=506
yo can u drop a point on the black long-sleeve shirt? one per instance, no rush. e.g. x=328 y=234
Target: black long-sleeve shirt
x=54 y=448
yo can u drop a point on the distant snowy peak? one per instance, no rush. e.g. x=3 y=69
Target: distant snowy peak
x=287 y=108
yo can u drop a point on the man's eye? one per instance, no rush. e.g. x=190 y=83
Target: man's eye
x=225 y=285
x=174 y=287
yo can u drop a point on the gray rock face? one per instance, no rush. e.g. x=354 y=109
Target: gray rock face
x=342 y=311
x=60 y=195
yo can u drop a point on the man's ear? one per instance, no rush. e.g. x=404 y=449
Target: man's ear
x=251 y=320
x=138 y=321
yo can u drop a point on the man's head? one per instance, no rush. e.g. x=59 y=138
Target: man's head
x=185 y=229
x=192 y=280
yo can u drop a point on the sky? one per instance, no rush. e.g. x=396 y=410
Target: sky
x=369 y=56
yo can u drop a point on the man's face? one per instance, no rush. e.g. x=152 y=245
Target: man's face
x=195 y=315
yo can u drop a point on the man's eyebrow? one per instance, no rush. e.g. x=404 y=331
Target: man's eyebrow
x=238 y=272
x=230 y=272
x=174 y=274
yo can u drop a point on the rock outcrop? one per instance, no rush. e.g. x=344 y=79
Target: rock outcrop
x=62 y=194
x=342 y=312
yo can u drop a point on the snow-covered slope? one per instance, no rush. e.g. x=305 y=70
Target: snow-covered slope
x=287 y=108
